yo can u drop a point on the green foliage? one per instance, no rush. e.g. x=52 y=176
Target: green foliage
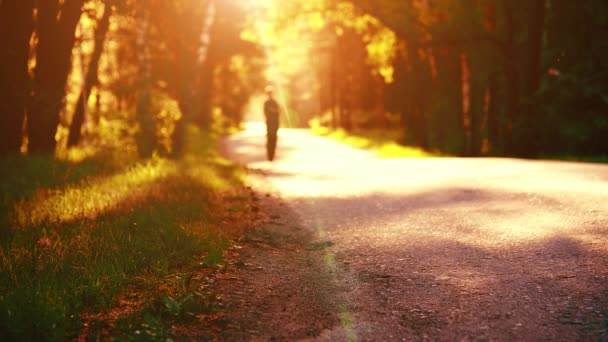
x=574 y=93
x=235 y=82
x=380 y=141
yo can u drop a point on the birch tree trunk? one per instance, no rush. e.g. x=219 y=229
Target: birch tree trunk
x=91 y=78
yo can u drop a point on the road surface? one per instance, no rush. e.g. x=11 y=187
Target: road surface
x=447 y=248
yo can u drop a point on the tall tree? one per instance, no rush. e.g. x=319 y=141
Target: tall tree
x=574 y=90
x=528 y=144
x=187 y=36
x=56 y=26
x=16 y=25
x=146 y=138
x=91 y=78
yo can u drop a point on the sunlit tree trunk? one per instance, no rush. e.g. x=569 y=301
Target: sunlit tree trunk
x=56 y=26
x=333 y=87
x=348 y=53
x=16 y=26
x=324 y=90
x=207 y=66
x=195 y=92
x=206 y=95
x=91 y=78
x=341 y=74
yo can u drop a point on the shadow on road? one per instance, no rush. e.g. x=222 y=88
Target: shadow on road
x=466 y=262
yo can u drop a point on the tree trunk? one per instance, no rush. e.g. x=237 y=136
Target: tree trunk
x=493 y=106
x=478 y=78
x=91 y=78
x=56 y=35
x=195 y=93
x=206 y=95
x=333 y=87
x=448 y=91
x=493 y=114
x=396 y=94
x=536 y=30
x=417 y=96
x=16 y=25
x=146 y=139
x=379 y=103
x=511 y=74
x=528 y=145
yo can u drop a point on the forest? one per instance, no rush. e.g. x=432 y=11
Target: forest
x=466 y=78
x=115 y=202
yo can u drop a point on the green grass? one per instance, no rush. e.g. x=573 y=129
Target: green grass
x=383 y=143
x=75 y=234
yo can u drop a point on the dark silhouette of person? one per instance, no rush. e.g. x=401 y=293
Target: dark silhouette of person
x=271 y=112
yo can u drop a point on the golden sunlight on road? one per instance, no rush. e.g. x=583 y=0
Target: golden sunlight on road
x=454 y=239
x=504 y=199
x=462 y=238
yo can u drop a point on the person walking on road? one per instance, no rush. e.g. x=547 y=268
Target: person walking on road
x=271 y=112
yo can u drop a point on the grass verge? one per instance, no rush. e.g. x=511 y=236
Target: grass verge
x=381 y=142
x=384 y=144
x=75 y=235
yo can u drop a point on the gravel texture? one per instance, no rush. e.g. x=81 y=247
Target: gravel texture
x=360 y=248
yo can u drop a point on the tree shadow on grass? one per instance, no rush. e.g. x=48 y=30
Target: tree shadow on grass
x=151 y=229
x=21 y=176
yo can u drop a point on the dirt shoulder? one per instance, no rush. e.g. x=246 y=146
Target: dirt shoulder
x=275 y=284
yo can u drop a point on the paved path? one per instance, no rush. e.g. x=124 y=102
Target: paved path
x=448 y=248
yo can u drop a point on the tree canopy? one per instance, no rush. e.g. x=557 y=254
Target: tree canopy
x=472 y=78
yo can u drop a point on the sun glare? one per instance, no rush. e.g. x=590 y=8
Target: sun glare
x=257 y=3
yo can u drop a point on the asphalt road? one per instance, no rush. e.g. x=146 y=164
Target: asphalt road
x=448 y=248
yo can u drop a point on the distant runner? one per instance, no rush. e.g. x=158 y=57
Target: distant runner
x=271 y=112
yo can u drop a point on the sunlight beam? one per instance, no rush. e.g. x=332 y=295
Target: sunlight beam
x=205 y=38
x=261 y=8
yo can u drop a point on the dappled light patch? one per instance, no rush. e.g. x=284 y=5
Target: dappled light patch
x=383 y=144
x=92 y=197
